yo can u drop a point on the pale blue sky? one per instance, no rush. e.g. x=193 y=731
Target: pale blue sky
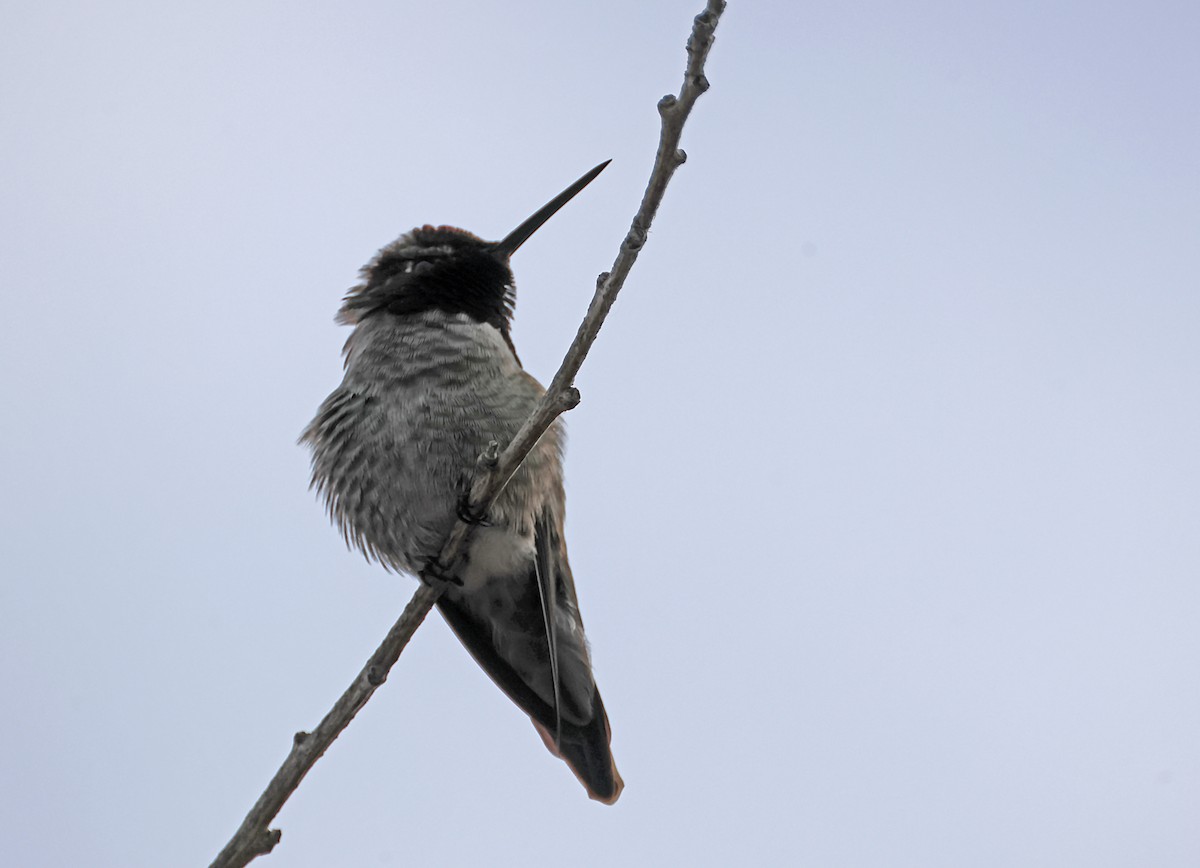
x=884 y=492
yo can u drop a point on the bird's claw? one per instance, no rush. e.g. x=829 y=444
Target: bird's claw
x=434 y=574
x=467 y=516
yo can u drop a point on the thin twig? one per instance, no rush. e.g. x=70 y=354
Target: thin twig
x=254 y=838
x=562 y=394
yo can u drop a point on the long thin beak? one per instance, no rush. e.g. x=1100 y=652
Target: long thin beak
x=506 y=247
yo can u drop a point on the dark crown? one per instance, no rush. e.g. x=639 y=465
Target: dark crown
x=435 y=268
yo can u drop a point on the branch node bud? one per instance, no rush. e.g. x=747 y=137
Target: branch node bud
x=569 y=398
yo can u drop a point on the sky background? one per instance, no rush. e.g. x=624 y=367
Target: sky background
x=884 y=491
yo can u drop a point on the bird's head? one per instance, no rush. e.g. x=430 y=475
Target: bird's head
x=449 y=269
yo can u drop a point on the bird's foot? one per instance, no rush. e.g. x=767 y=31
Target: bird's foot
x=437 y=575
x=467 y=516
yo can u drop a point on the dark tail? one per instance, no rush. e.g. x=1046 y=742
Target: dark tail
x=585 y=748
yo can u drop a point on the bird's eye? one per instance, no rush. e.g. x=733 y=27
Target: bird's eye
x=417 y=266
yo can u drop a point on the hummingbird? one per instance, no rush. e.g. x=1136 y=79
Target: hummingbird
x=431 y=378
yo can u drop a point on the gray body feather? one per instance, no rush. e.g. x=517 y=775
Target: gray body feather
x=395 y=444
x=394 y=449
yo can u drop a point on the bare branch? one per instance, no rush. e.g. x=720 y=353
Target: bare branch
x=254 y=838
x=562 y=395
